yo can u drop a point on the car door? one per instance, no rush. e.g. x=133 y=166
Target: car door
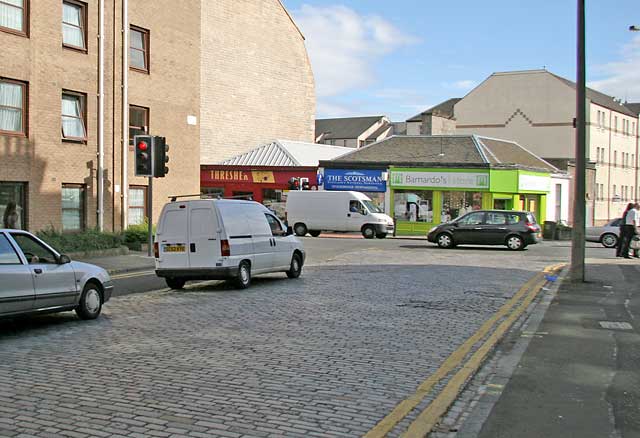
x=495 y=228
x=355 y=216
x=468 y=229
x=54 y=284
x=16 y=288
x=281 y=244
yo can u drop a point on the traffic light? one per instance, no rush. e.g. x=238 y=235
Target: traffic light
x=305 y=184
x=294 y=183
x=160 y=157
x=143 y=155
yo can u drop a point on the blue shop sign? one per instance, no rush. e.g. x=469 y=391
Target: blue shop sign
x=358 y=180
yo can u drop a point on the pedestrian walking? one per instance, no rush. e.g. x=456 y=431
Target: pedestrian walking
x=10 y=217
x=621 y=233
x=631 y=229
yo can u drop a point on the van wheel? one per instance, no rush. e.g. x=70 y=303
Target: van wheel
x=300 y=230
x=368 y=232
x=515 y=243
x=381 y=235
x=90 y=303
x=296 y=266
x=175 y=283
x=243 y=280
x=315 y=233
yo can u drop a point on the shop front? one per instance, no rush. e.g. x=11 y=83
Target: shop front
x=424 y=197
x=371 y=182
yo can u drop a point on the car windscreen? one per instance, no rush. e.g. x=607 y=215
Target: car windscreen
x=373 y=208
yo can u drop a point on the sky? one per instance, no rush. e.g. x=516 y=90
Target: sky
x=398 y=58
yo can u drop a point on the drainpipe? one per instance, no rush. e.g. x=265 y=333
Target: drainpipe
x=101 y=118
x=125 y=114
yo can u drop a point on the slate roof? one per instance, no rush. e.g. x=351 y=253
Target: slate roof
x=444 y=109
x=634 y=108
x=445 y=150
x=287 y=153
x=344 y=128
x=380 y=131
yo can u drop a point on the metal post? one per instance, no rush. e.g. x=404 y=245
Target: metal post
x=579 y=192
x=150 y=214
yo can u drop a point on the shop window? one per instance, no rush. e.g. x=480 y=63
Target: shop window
x=73 y=211
x=13 y=198
x=455 y=204
x=137 y=205
x=413 y=205
x=212 y=192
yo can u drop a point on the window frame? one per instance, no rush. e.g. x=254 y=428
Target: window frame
x=24 y=110
x=144 y=201
x=83 y=112
x=147 y=118
x=146 y=41
x=82 y=209
x=25 y=20
x=83 y=26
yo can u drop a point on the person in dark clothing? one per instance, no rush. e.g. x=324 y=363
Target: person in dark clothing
x=621 y=233
x=10 y=217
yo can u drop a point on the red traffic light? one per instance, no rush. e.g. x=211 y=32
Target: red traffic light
x=143 y=146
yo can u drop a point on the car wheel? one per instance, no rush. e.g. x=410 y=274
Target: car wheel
x=368 y=232
x=175 y=283
x=314 y=233
x=444 y=240
x=90 y=303
x=381 y=235
x=609 y=240
x=243 y=280
x=515 y=243
x=300 y=230
x=296 y=266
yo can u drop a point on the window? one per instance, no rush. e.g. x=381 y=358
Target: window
x=213 y=192
x=413 y=206
x=13 y=196
x=73 y=216
x=74 y=25
x=13 y=16
x=615 y=191
x=494 y=218
x=74 y=116
x=13 y=107
x=138 y=121
x=615 y=124
x=8 y=255
x=137 y=205
x=597 y=155
x=633 y=128
x=615 y=158
x=139 y=49
x=274 y=224
x=472 y=219
x=456 y=204
x=558 y=210
x=34 y=251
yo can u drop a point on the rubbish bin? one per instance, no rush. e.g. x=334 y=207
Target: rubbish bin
x=549 y=230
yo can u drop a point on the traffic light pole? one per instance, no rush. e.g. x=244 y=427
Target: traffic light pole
x=150 y=214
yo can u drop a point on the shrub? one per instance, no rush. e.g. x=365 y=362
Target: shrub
x=136 y=235
x=89 y=240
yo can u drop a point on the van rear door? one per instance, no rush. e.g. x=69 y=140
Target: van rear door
x=204 y=242
x=172 y=237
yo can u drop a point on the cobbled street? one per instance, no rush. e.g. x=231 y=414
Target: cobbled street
x=326 y=355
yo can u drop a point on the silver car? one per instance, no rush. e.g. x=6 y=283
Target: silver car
x=607 y=234
x=35 y=278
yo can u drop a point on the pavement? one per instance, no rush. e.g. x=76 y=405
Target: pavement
x=132 y=262
x=579 y=374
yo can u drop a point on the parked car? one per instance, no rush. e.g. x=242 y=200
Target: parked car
x=310 y=211
x=206 y=239
x=607 y=235
x=515 y=229
x=35 y=278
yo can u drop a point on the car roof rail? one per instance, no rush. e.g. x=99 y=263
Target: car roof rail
x=174 y=198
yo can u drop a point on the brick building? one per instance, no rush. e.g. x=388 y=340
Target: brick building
x=193 y=70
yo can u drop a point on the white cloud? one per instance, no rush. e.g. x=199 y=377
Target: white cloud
x=463 y=85
x=344 y=46
x=621 y=78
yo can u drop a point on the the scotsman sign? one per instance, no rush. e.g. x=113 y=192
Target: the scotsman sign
x=455 y=180
x=358 y=180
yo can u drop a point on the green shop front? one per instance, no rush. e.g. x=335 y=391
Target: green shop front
x=424 y=197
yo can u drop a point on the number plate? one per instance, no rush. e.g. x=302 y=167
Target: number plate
x=173 y=248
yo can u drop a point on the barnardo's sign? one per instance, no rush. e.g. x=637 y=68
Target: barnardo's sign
x=358 y=180
x=534 y=183
x=453 y=180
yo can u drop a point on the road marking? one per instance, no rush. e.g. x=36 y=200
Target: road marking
x=422 y=425
x=387 y=424
x=132 y=275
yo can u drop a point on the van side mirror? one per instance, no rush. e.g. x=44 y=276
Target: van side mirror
x=289 y=231
x=64 y=259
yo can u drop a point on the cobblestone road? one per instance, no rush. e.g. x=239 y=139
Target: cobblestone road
x=326 y=355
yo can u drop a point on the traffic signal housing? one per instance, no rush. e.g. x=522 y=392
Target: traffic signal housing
x=294 y=183
x=143 y=155
x=160 y=157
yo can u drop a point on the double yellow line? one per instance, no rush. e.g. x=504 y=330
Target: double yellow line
x=422 y=425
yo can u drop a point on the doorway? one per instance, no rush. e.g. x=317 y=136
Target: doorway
x=503 y=204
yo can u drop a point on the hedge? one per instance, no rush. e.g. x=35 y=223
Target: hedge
x=88 y=240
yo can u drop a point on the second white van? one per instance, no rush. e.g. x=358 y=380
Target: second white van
x=310 y=211
x=207 y=239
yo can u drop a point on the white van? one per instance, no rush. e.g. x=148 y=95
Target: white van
x=209 y=239
x=310 y=211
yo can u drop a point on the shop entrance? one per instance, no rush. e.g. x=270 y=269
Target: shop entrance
x=503 y=204
x=530 y=203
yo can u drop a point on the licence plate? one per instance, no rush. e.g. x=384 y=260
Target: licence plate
x=173 y=248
